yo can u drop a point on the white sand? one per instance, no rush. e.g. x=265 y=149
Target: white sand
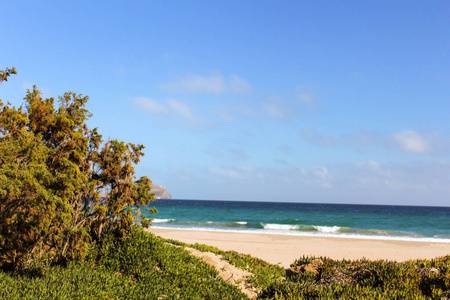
x=284 y=249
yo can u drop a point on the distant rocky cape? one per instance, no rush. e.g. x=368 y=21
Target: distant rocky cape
x=160 y=192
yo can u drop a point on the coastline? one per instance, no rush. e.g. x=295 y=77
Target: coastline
x=284 y=249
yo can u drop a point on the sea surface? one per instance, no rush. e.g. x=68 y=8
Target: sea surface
x=413 y=223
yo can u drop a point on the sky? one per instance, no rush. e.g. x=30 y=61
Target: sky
x=293 y=101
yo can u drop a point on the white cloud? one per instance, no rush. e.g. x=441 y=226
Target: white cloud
x=239 y=86
x=370 y=174
x=233 y=174
x=406 y=140
x=297 y=176
x=314 y=137
x=278 y=107
x=198 y=84
x=236 y=172
x=319 y=177
x=149 y=105
x=308 y=99
x=171 y=107
x=181 y=109
x=238 y=154
x=411 y=141
x=370 y=165
x=299 y=170
x=244 y=168
x=412 y=180
x=214 y=84
x=274 y=110
x=321 y=173
x=230 y=113
x=365 y=182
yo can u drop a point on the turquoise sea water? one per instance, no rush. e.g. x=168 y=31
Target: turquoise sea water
x=340 y=220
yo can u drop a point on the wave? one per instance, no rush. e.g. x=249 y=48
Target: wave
x=163 y=220
x=241 y=223
x=422 y=239
x=442 y=236
x=280 y=227
x=298 y=229
x=327 y=229
x=380 y=232
x=244 y=225
x=209 y=224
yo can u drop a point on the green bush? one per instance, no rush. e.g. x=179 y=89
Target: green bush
x=173 y=270
x=60 y=183
x=144 y=266
x=365 y=279
x=138 y=266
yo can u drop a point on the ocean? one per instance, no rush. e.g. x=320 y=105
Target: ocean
x=411 y=223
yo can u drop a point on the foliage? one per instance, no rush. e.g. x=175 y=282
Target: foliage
x=264 y=273
x=345 y=279
x=76 y=281
x=139 y=266
x=53 y=173
x=4 y=74
x=365 y=279
x=144 y=266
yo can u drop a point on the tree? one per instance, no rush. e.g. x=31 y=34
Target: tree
x=4 y=74
x=53 y=171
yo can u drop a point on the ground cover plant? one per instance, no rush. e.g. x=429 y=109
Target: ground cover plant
x=346 y=279
x=140 y=266
x=365 y=279
x=144 y=266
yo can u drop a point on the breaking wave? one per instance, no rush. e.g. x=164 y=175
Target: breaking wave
x=281 y=227
x=327 y=229
x=163 y=220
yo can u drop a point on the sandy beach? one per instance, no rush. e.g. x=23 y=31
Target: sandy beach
x=284 y=249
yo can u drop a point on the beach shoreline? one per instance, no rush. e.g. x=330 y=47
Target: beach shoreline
x=285 y=249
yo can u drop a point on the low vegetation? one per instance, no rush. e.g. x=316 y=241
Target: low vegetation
x=140 y=266
x=346 y=279
x=365 y=279
x=144 y=266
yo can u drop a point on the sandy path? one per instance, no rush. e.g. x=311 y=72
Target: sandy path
x=227 y=272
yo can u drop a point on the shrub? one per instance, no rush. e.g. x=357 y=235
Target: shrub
x=53 y=171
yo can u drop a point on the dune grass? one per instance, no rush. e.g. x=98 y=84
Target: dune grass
x=144 y=266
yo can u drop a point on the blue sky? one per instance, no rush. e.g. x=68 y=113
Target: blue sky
x=304 y=101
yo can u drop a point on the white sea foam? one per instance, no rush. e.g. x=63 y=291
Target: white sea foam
x=162 y=220
x=280 y=227
x=241 y=223
x=327 y=229
x=312 y=234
